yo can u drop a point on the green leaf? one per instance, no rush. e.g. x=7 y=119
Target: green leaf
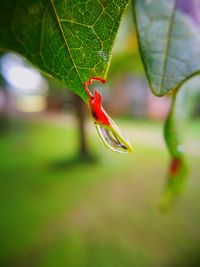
x=169 y=40
x=70 y=40
x=178 y=170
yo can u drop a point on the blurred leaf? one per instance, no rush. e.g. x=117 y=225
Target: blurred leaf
x=169 y=39
x=71 y=40
x=125 y=63
x=178 y=170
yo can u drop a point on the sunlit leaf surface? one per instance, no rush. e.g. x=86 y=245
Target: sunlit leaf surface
x=71 y=40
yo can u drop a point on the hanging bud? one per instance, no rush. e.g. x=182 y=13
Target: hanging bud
x=108 y=131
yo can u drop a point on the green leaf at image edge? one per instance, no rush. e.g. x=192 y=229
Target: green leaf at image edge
x=71 y=40
x=169 y=41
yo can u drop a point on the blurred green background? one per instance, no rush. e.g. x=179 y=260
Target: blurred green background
x=65 y=199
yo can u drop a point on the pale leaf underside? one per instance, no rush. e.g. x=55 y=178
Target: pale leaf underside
x=169 y=39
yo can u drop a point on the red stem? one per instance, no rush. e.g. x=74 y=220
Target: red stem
x=95 y=102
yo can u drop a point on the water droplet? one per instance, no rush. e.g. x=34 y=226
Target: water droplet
x=104 y=55
x=113 y=138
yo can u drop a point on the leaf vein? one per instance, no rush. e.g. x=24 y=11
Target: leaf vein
x=167 y=47
x=65 y=41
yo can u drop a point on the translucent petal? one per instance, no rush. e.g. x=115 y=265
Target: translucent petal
x=113 y=138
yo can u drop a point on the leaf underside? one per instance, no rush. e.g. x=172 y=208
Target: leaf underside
x=70 y=40
x=169 y=40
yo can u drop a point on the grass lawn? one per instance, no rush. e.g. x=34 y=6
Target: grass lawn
x=56 y=211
